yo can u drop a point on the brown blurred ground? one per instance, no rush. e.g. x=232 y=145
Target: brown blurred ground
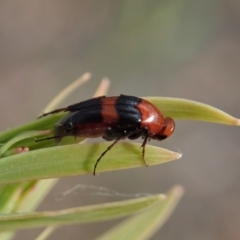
x=185 y=48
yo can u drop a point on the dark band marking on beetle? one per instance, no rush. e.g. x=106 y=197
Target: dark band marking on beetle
x=113 y=118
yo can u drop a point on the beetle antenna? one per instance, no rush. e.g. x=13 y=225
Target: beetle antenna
x=52 y=112
x=48 y=138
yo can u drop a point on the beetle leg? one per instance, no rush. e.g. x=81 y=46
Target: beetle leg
x=143 y=149
x=95 y=166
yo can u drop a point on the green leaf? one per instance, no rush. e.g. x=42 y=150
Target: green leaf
x=179 y=108
x=70 y=160
x=42 y=124
x=145 y=224
x=86 y=214
x=8 y=196
x=18 y=138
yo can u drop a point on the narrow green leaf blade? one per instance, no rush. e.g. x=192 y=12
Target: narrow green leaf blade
x=180 y=108
x=46 y=123
x=146 y=223
x=86 y=214
x=70 y=160
x=20 y=137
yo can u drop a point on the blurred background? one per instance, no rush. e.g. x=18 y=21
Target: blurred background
x=177 y=48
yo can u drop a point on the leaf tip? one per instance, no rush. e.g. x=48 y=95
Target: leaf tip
x=177 y=155
x=102 y=88
x=86 y=76
x=162 y=196
x=178 y=190
x=236 y=122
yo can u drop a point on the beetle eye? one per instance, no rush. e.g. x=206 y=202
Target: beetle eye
x=167 y=131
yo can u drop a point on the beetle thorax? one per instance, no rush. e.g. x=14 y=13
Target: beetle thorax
x=152 y=118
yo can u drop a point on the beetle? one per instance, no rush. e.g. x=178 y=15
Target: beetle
x=113 y=118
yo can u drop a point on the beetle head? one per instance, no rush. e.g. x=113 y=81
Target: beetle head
x=167 y=130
